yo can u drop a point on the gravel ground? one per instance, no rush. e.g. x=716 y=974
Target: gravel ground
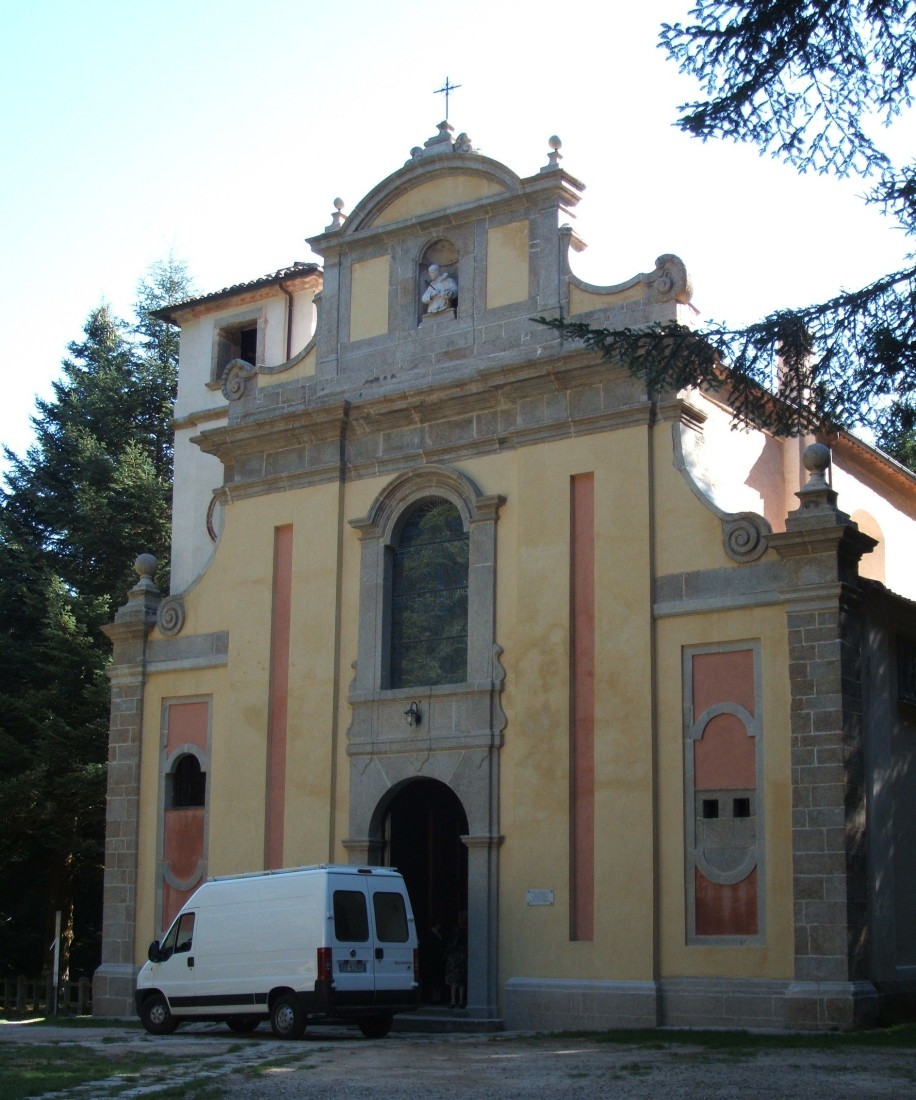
x=340 y=1063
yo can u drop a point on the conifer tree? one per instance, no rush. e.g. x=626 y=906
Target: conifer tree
x=810 y=82
x=92 y=491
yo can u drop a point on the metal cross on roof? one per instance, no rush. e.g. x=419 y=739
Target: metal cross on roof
x=446 y=88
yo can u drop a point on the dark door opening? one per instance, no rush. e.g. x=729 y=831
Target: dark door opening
x=423 y=828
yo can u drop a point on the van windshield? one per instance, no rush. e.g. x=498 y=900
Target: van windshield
x=390 y=917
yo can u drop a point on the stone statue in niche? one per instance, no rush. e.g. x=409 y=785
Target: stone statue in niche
x=441 y=290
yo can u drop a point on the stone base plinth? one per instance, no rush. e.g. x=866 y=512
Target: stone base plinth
x=113 y=990
x=541 y=1004
x=544 y=1004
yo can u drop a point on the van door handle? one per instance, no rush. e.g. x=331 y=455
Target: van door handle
x=380 y=952
x=190 y=960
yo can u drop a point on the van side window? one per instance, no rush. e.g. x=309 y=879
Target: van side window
x=390 y=917
x=178 y=938
x=185 y=932
x=351 y=920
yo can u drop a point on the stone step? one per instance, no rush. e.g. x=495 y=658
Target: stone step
x=431 y=1019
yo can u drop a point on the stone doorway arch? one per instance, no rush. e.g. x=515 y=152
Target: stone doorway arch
x=378 y=814
x=422 y=827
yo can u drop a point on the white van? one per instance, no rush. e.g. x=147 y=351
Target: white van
x=315 y=943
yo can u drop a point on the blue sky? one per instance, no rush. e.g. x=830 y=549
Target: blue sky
x=222 y=131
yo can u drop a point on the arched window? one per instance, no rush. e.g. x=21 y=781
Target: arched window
x=429 y=598
x=188 y=784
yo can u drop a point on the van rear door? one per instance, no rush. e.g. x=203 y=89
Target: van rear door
x=352 y=954
x=395 y=940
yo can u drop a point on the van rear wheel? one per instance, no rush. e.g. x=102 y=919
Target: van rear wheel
x=287 y=1019
x=375 y=1027
x=156 y=1016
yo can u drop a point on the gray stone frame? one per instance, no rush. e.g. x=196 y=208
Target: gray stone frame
x=458 y=738
x=693 y=731
x=167 y=764
x=226 y=328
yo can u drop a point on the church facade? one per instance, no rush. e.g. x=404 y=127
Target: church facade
x=630 y=694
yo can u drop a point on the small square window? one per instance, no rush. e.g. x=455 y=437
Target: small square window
x=237 y=341
x=741 y=807
x=710 y=808
x=248 y=344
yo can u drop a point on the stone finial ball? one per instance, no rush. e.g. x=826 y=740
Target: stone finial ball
x=554 y=142
x=816 y=458
x=145 y=565
x=338 y=204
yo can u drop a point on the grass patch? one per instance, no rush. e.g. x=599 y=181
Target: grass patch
x=32 y=1069
x=901 y=1036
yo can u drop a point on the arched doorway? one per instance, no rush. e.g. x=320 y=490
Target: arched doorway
x=422 y=831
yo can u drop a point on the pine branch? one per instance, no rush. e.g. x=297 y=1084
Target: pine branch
x=841 y=363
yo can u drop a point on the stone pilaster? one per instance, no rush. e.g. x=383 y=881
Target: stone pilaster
x=821 y=549
x=483 y=971
x=113 y=982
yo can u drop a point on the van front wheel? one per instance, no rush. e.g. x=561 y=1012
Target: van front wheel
x=287 y=1019
x=156 y=1016
x=375 y=1027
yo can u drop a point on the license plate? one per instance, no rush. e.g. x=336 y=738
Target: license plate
x=351 y=966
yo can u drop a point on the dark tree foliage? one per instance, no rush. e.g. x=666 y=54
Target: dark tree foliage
x=812 y=82
x=91 y=492
x=53 y=704
x=803 y=79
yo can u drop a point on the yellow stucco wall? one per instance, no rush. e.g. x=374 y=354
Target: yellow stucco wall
x=369 y=298
x=438 y=194
x=305 y=368
x=690 y=532
x=583 y=301
x=243 y=568
x=532 y=626
x=507 y=264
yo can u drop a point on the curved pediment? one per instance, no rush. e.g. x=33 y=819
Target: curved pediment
x=443 y=175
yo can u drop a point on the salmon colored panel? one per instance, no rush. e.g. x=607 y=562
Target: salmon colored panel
x=723 y=678
x=724 y=757
x=172 y=901
x=188 y=725
x=582 y=748
x=279 y=692
x=183 y=840
x=726 y=910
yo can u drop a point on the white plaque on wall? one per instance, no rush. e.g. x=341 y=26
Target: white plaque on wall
x=540 y=897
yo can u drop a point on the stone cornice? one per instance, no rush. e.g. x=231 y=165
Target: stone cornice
x=198 y=417
x=821 y=540
x=480 y=414
x=359 y=229
x=459 y=742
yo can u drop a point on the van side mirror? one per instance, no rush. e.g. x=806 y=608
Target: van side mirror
x=153 y=954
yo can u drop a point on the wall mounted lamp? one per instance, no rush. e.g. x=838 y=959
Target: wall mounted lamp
x=413 y=716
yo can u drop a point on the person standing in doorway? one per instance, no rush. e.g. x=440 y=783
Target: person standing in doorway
x=456 y=962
